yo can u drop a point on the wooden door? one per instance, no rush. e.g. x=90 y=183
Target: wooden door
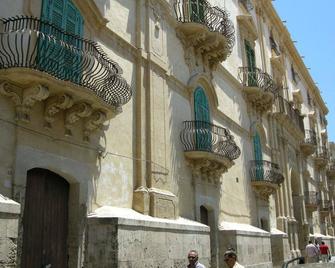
x=45 y=220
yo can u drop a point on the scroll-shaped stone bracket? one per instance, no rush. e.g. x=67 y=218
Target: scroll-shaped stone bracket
x=24 y=98
x=94 y=122
x=54 y=105
x=76 y=112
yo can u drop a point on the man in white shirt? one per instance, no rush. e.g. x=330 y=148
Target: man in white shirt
x=312 y=253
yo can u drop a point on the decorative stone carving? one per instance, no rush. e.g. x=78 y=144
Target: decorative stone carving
x=264 y=189
x=93 y=122
x=54 y=105
x=77 y=111
x=207 y=166
x=24 y=98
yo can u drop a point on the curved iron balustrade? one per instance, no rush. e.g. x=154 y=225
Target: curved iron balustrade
x=24 y=39
x=310 y=137
x=294 y=114
x=214 y=18
x=322 y=152
x=204 y=136
x=311 y=198
x=257 y=78
x=325 y=205
x=261 y=170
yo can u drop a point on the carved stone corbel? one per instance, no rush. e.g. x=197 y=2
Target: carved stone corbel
x=24 y=98
x=76 y=112
x=54 y=105
x=93 y=122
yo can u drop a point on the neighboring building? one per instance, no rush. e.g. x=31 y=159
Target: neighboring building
x=214 y=135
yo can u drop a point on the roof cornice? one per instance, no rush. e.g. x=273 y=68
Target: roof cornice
x=293 y=52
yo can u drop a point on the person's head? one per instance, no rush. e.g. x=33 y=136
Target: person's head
x=192 y=256
x=230 y=257
x=310 y=242
x=322 y=242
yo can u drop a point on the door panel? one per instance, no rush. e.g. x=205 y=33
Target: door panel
x=45 y=220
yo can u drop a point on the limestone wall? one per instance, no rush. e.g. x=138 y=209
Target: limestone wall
x=120 y=242
x=9 y=218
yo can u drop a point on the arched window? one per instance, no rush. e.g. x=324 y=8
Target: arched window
x=52 y=55
x=202 y=121
x=258 y=156
x=201 y=107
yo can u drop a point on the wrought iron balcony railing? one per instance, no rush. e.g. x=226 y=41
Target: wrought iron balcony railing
x=310 y=137
x=204 y=136
x=324 y=205
x=311 y=199
x=265 y=171
x=257 y=78
x=322 y=152
x=29 y=42
x=214 y=18
x=294 y=114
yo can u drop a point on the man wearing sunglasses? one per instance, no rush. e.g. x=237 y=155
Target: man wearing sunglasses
x=230 y=258
x=193 y=260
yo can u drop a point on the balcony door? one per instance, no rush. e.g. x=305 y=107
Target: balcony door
x=45 y=220
x=202 y=121
x=197 y=10
x=258 y=157
x=62 y=60
x=251 y=63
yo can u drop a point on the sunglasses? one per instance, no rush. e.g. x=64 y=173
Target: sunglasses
x=191 y=257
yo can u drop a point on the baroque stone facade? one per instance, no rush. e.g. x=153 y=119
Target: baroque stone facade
x=135 y=130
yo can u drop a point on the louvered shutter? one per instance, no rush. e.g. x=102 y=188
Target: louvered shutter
x=258 y=157
x=64 y=62
x=202 y=120
x=251 y=64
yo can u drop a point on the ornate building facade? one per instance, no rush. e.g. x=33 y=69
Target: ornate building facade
x=135 y=130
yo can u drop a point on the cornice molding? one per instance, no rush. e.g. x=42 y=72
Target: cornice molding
x=273 y=16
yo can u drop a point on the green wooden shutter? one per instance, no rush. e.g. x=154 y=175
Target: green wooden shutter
x=64 y=63
x=197 y=9
x=202 y=120
x=258 y=157
x=250 y=53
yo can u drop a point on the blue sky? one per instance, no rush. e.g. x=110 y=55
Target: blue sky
x=312 y=25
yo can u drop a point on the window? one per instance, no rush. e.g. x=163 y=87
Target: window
x=52 y=55
x=251 y=63
x=258 y=156
x=197 y=10
x=202 y=121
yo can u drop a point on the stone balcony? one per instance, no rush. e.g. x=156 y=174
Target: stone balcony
x=311 y=200
x=265 y=177
x=290 y=117
x=324 y=207
x=206 y=29
x=209 y=149
x=40 y=63
x=258 y=87
x=308 y=145
x=321 y=157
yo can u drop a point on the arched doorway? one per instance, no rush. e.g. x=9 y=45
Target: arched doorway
x=45 y=220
